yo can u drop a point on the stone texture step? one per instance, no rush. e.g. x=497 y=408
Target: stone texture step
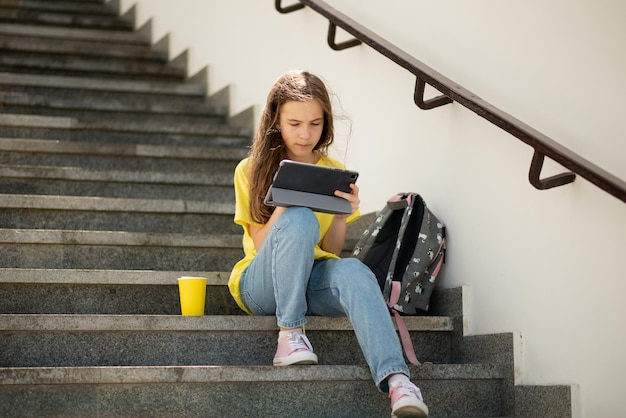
x=75 y=291
x=54 y=41
x=112 y=214
x=14 y=13
x=112 y=131
x=84 y=106
x=75 y=7
x=155 y=127
x=68 y=181
x=311 y=391
x=127 y=157
x=87 y=66
x=76 y=101
x=125 y=39
x=215 y=174
x=116 y=292
x=34 y=340
x=193 y=87
x=29 y=248
x=117 y=137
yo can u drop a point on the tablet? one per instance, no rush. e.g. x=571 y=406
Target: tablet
x=312 y=186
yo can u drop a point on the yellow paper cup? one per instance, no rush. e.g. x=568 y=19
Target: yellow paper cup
x=192 y=295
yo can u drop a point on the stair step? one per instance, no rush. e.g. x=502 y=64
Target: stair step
x=312 y=391
x=112 y=125
x=191 y=88
x=67 y=181
x=109 y=277
x=115 y=292
x=80 y=7
x=103 y=107
x=33 y=16
x=105 y=66
x=124 y=38
x=140 y=157
x=112 y=131
x=76 y=291
x=29 y=248
x=120 y=137
x=32 y=42
x=35 y=340
x=178 y=323
x=113 y=214
x=122 y=176
x=38 y=100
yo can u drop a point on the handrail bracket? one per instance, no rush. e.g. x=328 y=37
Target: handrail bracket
x=554 y=181
x=418 y=97
x=332 y=31
x=287 y=9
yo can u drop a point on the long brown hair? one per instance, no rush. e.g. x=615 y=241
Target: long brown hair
x=267 y=148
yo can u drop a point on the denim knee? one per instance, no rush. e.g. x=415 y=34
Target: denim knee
x=356 y=270
x=302 y=222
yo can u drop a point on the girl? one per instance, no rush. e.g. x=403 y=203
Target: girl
x=291 y=267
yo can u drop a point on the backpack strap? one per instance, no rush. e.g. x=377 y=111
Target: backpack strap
x=404 y=202
x=397 y=202
x=405 y=337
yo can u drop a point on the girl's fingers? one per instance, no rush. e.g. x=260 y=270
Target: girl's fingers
x=353 y=197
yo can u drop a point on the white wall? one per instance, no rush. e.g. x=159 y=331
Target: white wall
x=549 y=264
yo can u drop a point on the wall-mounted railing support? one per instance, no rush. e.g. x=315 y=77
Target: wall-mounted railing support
x=452 y=92
x=418 y=97
x=332 y=30
x=287 y=9
x=534 y=175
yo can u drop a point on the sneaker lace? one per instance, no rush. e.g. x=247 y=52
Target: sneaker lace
x=409 y=389
x=299 y=341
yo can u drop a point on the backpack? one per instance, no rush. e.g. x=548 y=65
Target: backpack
x=404 y=247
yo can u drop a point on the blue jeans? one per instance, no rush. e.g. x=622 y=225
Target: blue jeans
x=284 y=280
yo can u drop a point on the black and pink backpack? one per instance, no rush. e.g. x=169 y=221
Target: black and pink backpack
x=404 y=247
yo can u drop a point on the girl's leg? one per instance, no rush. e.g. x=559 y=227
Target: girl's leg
x=346 y=287
x=276 y=280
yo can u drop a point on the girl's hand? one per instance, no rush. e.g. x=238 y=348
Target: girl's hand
x=353 y=198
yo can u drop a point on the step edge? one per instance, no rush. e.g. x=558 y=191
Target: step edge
x=116 y=238
x=102 y=84
x=106 y=277
x=110 y=106
x=92 y=48
x=88 y=175
x=112 y=125
x=119 y=149
x=69 y=33
x=179 y=323
x=112 y=204
x=212 y=374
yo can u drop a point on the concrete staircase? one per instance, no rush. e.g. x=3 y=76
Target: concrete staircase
x=115 y=179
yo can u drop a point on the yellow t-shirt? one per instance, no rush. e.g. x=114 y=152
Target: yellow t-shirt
x=243 y=218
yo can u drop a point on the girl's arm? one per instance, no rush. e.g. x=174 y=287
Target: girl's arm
x=336 y=235
x=258 y=233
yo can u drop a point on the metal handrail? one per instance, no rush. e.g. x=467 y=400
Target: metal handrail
x=452 y=92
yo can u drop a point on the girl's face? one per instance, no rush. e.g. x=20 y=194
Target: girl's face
x=301 y=125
